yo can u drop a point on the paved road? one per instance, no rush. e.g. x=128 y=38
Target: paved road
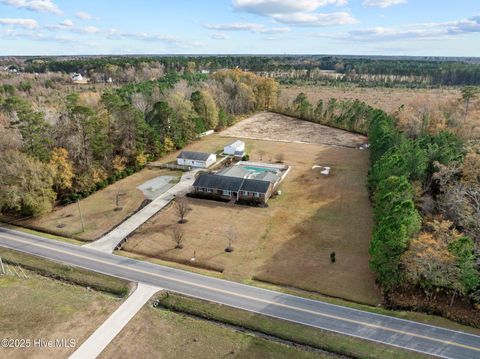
x=112 y=239
x=396 y=332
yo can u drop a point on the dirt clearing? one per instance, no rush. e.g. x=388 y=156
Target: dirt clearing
x=276 y=127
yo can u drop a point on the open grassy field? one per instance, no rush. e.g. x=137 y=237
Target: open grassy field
x=387 y=99
x=290 y=242
x=42 y=308
x=98 y=209
x=158 y=333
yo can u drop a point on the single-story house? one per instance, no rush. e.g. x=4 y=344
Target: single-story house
x=196 y=159
x=76 y=77
x=236 y=149
x=228 y=188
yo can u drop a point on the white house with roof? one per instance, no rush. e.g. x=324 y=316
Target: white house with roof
x=236 y=149
x=76 y=77
x=196 y=159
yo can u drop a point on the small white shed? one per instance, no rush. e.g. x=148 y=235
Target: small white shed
x=196 y=159
x=235 y=147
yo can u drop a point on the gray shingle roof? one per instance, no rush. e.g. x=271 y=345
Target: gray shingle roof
x=197 y=156
x=233 y=184
x=218 y=182
x=252 y=185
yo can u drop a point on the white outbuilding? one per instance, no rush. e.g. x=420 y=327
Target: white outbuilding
x=196 y=159
x=234 y=148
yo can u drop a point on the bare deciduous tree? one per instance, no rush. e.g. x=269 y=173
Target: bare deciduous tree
x=182 y=208
x=231 y=236
x=177 y=236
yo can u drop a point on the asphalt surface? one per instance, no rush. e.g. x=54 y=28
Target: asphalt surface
x=405 y=334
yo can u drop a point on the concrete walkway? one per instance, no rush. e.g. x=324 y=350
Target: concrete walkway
x=111 y=240
x=100 y=339
x=157 y=186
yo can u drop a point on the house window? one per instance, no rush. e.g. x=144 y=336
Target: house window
x=256 y=194
x=245 y=193
x=227 y=193
x=200 y=189
x=209 y=190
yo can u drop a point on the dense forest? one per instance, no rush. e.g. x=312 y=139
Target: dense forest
x=362 y=70
x=89 y=146
x=425 y=190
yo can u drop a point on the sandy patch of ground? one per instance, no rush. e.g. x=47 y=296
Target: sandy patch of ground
x=276 y=127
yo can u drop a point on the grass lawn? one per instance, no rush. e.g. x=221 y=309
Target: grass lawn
x=158 y=333
x=42 y=308
x=66 y=273
x=98 y=209
x=344 y=345
x=290 y=242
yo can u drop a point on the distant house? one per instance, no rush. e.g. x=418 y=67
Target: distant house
x=196 y=159
x=12 y=69
x=76 y=77
x=233 y=188
x=236 y=149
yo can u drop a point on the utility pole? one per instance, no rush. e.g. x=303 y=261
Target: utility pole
x=81 y=215
x=3 y=268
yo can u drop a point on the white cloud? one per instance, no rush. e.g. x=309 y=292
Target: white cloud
x=34 y=5
x=26 y=23
x=414 y=31
x=82 y=15
x=297 y=12
x=66 y=23
x=115 y=34
x=220 y=36
x=274 y=7
x=247 y=26
x=317 y=19
x=382 y=3
x=88 y=30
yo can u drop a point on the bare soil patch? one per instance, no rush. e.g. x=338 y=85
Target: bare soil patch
x=276 y=127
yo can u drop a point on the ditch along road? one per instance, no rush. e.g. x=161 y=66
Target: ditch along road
x=392 y=331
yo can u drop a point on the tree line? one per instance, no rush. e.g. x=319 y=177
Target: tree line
x=420 y=71
x=90 y=146
x=425 y=192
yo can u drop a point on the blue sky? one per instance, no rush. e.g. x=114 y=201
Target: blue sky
x=364 y=27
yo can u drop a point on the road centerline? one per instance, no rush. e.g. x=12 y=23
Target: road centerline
x=265 y=301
